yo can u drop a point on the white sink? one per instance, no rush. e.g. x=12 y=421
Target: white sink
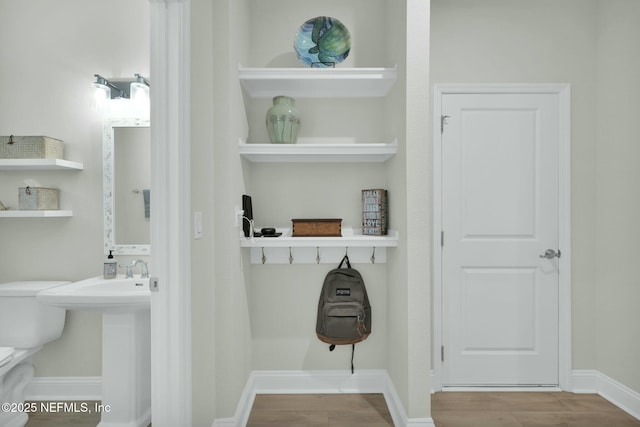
x=125 y=305
x=100 y=294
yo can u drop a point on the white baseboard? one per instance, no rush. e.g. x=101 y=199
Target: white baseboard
x=64 y=388
x=584 y=381
x=592 y=381
x=321 y=382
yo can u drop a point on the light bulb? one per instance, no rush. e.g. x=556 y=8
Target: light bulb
x=101 y=94
x=139 y=93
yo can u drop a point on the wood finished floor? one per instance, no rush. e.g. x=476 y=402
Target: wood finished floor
x=316 y=410
x=517 y=409
x=522 y=409
x=75 y=414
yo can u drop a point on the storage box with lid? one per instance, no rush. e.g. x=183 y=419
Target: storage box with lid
x=38 y=198
x=31 y=147
x=327 y=227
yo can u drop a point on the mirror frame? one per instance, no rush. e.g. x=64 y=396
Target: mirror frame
x=108 y=169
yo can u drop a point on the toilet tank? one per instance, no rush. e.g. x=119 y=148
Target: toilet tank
x=24 y=322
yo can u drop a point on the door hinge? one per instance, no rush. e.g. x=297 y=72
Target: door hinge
x=154 y=284
x=442 y=239
x=443 y=121
x=442 y=353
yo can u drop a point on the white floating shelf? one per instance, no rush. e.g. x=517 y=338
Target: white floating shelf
x=36 y=214
x=318 y=153
x=317 y=82
x=320 y=250
x=350 y=238
x=39 y=164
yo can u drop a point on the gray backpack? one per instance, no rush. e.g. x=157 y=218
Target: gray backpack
x=344 y=312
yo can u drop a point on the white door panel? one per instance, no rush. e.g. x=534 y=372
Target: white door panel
x=499 y=213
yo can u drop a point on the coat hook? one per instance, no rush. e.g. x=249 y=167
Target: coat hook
x=373 y=256
x=317 y=255
x=264 y=258
x=290 y=256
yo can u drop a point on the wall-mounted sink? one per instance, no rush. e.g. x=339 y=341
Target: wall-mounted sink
x=100 y=294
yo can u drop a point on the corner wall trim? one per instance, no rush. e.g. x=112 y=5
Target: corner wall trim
x=592 y=381
x=325 y=382
x=64 y=388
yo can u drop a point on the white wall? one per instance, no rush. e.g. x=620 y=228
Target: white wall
x=501 y=41
x=50 y=51
x=591 y=44
x=233 y=349
x=418 y=212
x=203 y=250
x=618 y=205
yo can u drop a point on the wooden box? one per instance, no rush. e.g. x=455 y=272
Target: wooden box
x=38 y=198
x=329 y=227
x=31 y=147
x=374 y=212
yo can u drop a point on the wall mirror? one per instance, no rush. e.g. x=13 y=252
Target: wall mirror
x=126 y=181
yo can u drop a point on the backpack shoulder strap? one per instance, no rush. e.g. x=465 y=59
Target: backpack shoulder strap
x=353 y=350
x=346 y=258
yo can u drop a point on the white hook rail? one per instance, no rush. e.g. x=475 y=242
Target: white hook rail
x=317 y=255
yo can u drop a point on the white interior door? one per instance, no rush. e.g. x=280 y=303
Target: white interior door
x=499 y=176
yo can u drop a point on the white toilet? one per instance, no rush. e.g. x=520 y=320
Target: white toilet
x=25 y=325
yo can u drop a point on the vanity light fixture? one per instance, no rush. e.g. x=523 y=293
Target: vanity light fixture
x=136 y=90
x=121 y=88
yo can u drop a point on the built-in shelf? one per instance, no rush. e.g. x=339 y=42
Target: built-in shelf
x=350 y=238
x=317 y=82
x=320 y=250
x=318 y=153
x=36 y=214
x=39 y=164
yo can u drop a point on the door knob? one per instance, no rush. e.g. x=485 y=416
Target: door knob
x=550 y=254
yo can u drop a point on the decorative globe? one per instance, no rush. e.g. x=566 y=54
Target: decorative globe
x=322 y=42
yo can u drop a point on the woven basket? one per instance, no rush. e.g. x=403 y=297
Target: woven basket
x=31 y=147
x=38 y=198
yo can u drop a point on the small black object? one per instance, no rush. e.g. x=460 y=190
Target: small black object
x=269 y=232
x=248 y=215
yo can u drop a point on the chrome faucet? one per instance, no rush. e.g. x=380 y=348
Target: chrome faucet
x=144 y=269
